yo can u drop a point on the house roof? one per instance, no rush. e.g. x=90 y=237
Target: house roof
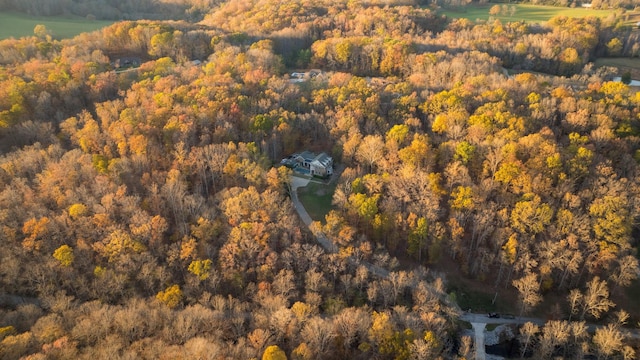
x=323 y=159
x=307 y=155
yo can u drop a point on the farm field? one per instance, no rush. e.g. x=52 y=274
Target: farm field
x=524 y=12
x=18 y=25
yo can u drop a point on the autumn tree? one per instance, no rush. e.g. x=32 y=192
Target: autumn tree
x=64 y=254
x=528 y=331
x=595 y=300
x=171 y=296
x=370 y=151
x=274 y=352
x=529 y=289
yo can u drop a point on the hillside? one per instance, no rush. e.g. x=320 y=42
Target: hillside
x=144 y=211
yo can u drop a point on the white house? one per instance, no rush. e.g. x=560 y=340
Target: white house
x=322 y=165
x=309 y=163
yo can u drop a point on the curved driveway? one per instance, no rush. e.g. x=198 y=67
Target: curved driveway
x=297 y=182
x=478 y=321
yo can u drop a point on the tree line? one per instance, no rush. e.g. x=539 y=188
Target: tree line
x=192 y=10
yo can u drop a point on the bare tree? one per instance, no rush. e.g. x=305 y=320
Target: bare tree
x=318 y=334
x=555 y=333
x=350 y=324
x=608 y=340
x=259 y=339
x=577 y=343
x=574 y=298
x=527 y=334
x=284 y=284
x=626 y=272
x=466 y=348
x=371 y=150
x=529 y=289
x=595 y=300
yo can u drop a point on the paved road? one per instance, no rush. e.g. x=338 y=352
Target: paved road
x=483 y=318
x=478 y=321
x=478 y=329
x=327 y=244
x=297 y=182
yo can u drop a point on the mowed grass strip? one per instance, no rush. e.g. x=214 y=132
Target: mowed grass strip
x=316 y=199
x=524 y=12
x=631 y=65
x=18 y=25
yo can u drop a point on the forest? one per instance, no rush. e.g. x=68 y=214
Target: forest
x=144 y=214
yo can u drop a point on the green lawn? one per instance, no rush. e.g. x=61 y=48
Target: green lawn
x=18 y=25
x=316 y=199
x=476 y=301
x=528 y=13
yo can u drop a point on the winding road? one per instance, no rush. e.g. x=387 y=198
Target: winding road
x=327 y=244
x=297 y=182
x=478 y=321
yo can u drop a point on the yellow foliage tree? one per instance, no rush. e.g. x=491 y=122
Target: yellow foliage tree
x=302 y=352
x=462 y=198
x=120 y=242
x=200 y=268
x=274 y=352
x=381 y=330
x=171 y=296
x=511 y=248
x=77 y=210
x=64 y=254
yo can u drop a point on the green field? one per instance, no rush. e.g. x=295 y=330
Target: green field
x=528 y=13
x=18 y=25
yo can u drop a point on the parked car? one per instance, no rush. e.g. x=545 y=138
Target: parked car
x=493 y=315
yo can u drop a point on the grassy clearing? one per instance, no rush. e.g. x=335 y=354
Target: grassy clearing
x=475 y=300
x=524 y=12
x=19 y=25
x=476 y=294
x=631 y=65
x=464 y=324
x=316 y=199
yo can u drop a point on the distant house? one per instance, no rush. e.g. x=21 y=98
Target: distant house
x=128 y=62
x=298 y=77
x=309 y=163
